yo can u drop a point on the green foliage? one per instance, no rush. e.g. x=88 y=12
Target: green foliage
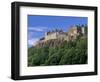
x=72 y=52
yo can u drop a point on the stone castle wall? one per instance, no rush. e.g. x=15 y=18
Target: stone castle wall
x=60 y=35
x=51 y=36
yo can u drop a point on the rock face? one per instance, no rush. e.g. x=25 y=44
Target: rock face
x=51 y=43
x=57 y=37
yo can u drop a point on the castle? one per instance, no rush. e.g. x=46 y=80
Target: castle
x=72 y=34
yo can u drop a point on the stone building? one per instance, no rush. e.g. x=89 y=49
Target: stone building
x=72 y=34
x=57 y=34
x=76 y=31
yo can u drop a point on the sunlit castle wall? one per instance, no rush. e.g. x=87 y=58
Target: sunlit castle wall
x=62 y=36
x=49 y=36
x=71 y=34
x=56 y=35
x=72 y=31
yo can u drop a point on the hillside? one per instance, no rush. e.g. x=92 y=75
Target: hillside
x=59 y=52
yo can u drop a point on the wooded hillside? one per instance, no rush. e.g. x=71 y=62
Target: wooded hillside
x=59 y=53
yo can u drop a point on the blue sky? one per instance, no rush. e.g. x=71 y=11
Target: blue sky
x=39 y=24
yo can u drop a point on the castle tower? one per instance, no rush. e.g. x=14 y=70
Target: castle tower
x=83 y=30
x=45 y=33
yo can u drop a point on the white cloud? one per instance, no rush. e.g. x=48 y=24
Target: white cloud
x=40 y=29
x=33 y=41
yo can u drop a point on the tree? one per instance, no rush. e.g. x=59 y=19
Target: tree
x=64 y=53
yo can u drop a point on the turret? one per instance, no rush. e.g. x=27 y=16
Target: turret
x=45 y=33
x=83 y=30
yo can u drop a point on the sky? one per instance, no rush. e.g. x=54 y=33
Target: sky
x=39 y=24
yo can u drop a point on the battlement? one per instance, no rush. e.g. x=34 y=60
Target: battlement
x=54 y=31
